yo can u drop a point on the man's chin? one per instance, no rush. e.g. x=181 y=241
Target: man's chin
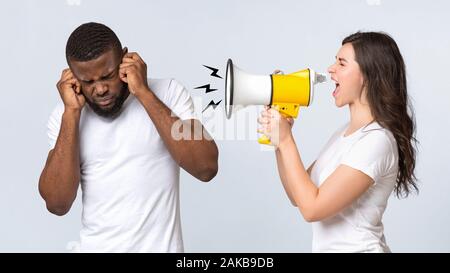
x=107 y=111
x=106 y=108
x=111 y=110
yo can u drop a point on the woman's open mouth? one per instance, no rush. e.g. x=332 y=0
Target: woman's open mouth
x=336 y=90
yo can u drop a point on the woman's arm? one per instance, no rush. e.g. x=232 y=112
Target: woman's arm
x=281 y=172
x=338 y=191
x=310 y=168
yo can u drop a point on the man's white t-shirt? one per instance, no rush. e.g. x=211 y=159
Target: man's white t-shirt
x=129 y=181
x=358 y=228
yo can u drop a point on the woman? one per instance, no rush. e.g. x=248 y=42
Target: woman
x=345 y=191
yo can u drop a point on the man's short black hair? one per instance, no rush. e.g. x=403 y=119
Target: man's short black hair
x=89 y=41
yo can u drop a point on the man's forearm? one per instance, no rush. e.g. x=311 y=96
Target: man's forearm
x=60 y=178
x=197 y=155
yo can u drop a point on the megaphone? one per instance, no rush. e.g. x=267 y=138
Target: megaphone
x=285 y=92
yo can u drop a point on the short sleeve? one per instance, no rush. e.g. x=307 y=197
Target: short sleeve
x=373 y=154
x=180 y=102
x=54 y=124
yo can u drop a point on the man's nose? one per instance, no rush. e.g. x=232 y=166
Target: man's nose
x=101 y=89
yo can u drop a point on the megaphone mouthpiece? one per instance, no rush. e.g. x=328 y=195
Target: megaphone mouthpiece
x=320 y=78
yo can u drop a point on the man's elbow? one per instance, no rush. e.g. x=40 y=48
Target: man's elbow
x=208 y=173
x=58 y=206
x=210 y=168
x=58 y=209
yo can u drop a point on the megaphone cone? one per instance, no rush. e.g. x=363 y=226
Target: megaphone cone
x=243 y=89
x=286 y=92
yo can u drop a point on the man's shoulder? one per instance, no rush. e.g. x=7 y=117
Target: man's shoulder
x=162 y=84
x=165 y=89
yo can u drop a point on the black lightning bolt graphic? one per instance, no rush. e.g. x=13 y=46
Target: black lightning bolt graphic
x=213 y=104
x=214 y=71
x=207 y=88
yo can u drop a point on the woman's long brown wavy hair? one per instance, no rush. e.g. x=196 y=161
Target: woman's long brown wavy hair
x=384 y=76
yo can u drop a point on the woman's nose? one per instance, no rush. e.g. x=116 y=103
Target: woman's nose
x=331 y=69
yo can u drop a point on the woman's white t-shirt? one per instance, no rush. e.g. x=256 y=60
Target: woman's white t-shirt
x=358 y=228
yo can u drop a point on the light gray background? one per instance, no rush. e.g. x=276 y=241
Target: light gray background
x=244 y=208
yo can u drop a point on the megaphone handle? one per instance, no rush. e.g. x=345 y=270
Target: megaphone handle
x=264 y=139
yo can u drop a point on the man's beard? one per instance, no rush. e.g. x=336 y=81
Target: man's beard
x=111 y=112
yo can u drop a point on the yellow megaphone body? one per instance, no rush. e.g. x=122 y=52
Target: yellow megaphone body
x=284 y=92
